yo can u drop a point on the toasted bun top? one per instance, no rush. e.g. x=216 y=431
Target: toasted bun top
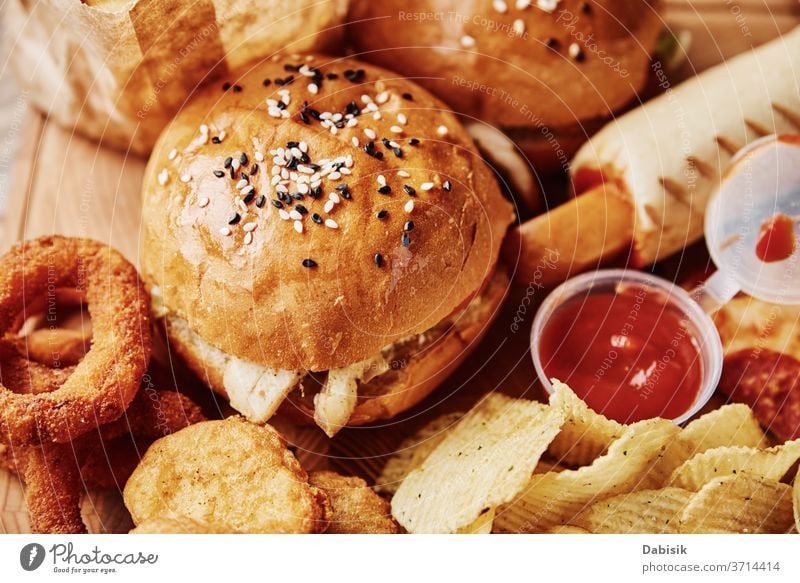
x=247 y=291
x=510 y=63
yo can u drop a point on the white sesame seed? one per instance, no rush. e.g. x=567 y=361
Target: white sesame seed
x=548 y=6
x=241 y=184
x=371 y=107
x=222 y=135
x=382 y=97
x=353 y=122
x=203 y=202
x=248 y=189
x=345 y=171
x=394 y=144
x=381 y=180
x=334 y=197
x=283 y=214
x=235 y=163
x=329 y=206
x=259 y=156
x=313 y=89
x=366 y=99
x=225 y=231
x=331 y=224
x=334 y=130
x=204 y=129
x=442 y=130
x=396 y=129
x=303 y=147
x=285 y=113
x=298 y=226
x=248 y=238
x=376 y=116
x=251 y=226
x=409 y=206
x=302 y=188
x=281 y=188
x=467 y=41
x=426 y=186
x=355 y=142
x=519 y=26
x=370 y=133
x=403 y=174
x=241 y=205
x=337 y=117
x=574 y=50
x=402 y=118
x=295 y=215
x=500 y=6
x=172 y=153
x=522 y=4
x=163 y=176
x=185 y=178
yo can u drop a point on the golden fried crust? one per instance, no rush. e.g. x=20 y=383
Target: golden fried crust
x=179 y=525
x=512 y=79
x=356 y=508
x=57 y=347
x=257 y=301
x=103 y=384
x=230 y=473
x=53 y=490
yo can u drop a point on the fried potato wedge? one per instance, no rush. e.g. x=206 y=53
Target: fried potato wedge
x=557 y=497
x=729 y=426
x=413 y=451
x=739 y=504
x=772 y=464
x=585 y=435
x=356 y=509
x=231 y=473
x=484 y=461
x=642 y=512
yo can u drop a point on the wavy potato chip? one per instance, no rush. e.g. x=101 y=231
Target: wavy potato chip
x=641 y=512
x=484 y=461
x=557 y=497
x=772 y=464
x=356 y=509
x=566 y=529
x=739 y=504
x=585 y=435
x=231 y=473
x=482 y=525
x=413 y=451
x=728 y=426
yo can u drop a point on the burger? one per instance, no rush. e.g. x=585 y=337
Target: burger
x=548 y=73
x=320 y=239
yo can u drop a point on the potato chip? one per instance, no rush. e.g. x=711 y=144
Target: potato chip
x=484 y=461
x=730 y=425
x=585 y=435
x=482 y=525
x=641 y=512
x=356 y=509
x=797 y=501
x=413 y=451
x=739 y=504
x=566 y=529
x=556 y=497
x=548 y=465
x=231 y=473
x=772 y=464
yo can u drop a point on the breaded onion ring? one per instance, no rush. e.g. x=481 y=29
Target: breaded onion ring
x=104 y=383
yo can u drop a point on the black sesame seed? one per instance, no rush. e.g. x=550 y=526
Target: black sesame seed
x=309 y=263
x=447 y=186
x=386 y=143
x=316 y=218
x=291 y=68
x=405 y=240
x=354 y=76
x=551 y=43
x=219 y=173
x=315 y=192
x=228 y=162
x=261 y=200
x=292 y=144
x=585 y=7
x=297 y=195
x=234 y=218
x=346 y=194
x=378 y=258
x=284 y=197
x=304 y=117
x=253 y=169
x=580 y=56
x=382 y=214
x=397 y=152
x=243 y=176
x=408 y=97
x=413 y=141
x=248 y=198
x=279 y=82
x=409 y=226
x=281 y=104
x=243 y=159
x=237 y=88
x=301 y=209
x=332 y=76
x=341 y=187
x=277 y=204
x=232 y=173
x=266 y=82
x=410 y=190
x=226 y=86
x=215 y=140
x=386 y=189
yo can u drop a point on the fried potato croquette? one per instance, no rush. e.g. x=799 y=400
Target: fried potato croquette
x=207 y=471
x=357 y=509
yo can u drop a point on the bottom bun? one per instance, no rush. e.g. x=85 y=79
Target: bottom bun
x=417 y=364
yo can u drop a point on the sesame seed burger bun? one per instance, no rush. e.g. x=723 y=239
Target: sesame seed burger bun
x=317 y=299
x=513 y=67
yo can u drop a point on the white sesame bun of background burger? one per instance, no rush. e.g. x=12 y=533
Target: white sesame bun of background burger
x=330 y=280
x=531 y=68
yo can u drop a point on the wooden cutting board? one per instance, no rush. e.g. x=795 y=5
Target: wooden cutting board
x=65 y=184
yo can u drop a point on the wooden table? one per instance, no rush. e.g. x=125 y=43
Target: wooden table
x=66 y=184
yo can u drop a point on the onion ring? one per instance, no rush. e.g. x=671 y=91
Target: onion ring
x=104 y=383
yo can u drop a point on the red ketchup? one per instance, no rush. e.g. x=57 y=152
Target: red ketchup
x=776 y=240
x=628 y=354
